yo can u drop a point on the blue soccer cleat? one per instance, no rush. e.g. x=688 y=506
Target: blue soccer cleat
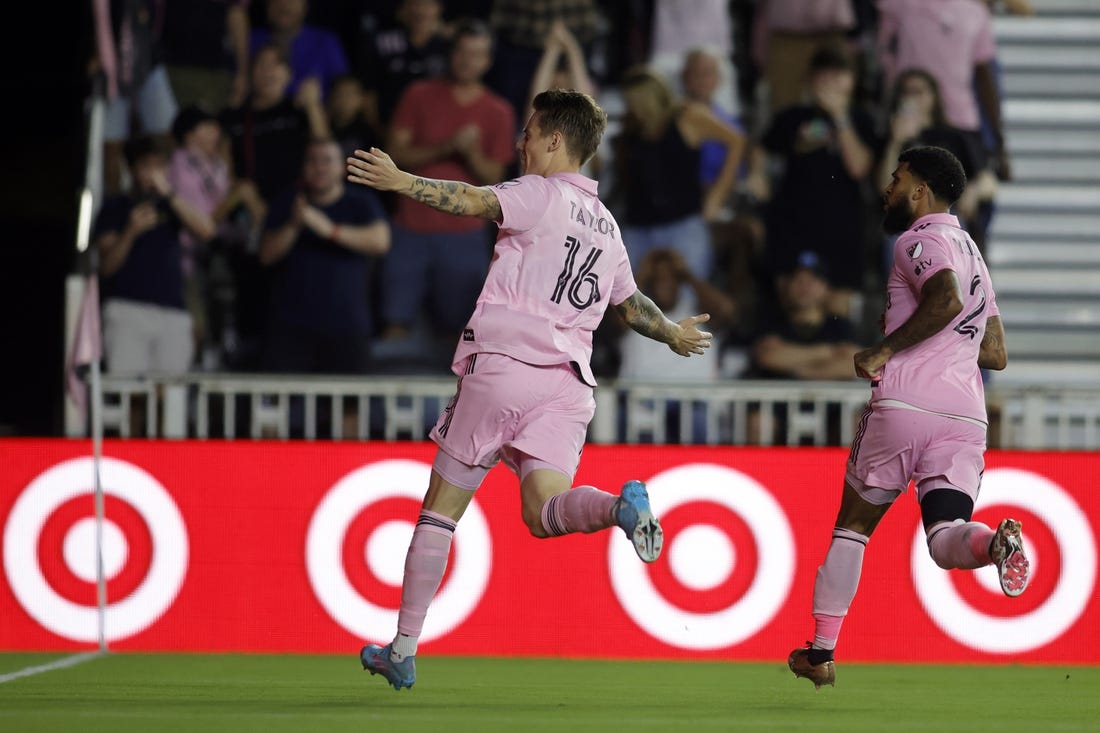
x=633 y=514
x=376 y=660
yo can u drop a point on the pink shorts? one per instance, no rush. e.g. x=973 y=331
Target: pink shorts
x=504 y=409
x=895 y=445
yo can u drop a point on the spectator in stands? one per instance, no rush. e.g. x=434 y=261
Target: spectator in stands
x=312 y=52
x=521 y=29
x=347 y=115
x=562 y=65
x=952 y=40
x=207 y=50
x=673 y=288
x=146 y=326
x=417 y=47
x=320 y=241
x=130 y=53
x=451 y=128
x=826 y=149
x=683 y=31
x=265 y=141
x=803 y=340
x=266 y=136
x=786 y=36
x=657 y=169
x=737 y=233
x=917 y=118
x=199 y=175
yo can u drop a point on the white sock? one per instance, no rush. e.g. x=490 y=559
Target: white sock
x=403 y=646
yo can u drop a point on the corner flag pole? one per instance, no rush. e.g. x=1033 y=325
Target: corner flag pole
x=92 y=185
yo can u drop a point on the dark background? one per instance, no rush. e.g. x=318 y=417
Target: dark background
x=43 y=87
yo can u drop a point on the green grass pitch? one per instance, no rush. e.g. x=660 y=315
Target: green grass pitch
x=164 y=693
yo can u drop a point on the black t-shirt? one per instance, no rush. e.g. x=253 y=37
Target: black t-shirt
x=659 y=177
x=153 y=270
x=833 y=330
x=390 y=63
x=320 y=285
x=817 y=205
x=268 y=146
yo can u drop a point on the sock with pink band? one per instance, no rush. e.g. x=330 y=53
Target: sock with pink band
x=835 y=587
x=582 y=509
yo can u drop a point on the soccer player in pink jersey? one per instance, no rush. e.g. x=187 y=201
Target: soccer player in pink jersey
x=925 y=421
x=524 y=391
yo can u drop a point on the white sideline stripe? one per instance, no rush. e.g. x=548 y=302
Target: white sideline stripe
x=58 y=664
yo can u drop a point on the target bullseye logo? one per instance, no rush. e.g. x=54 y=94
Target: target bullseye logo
x=49 y=549
x=355 y=552
x=1061 y=549
x=728 y=561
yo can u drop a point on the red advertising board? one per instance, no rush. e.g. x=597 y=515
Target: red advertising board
x=299 y=547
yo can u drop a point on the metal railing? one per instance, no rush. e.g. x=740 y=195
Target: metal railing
x=242 y=406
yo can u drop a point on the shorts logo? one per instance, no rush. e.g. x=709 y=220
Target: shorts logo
x=467 y=334
x=728 y=565
x=915 y=251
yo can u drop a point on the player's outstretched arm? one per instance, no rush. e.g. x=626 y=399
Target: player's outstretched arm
x=376 y=169
x=643 y=315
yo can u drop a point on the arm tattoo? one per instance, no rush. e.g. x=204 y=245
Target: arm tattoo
x=456 y=197
x=643 y=315
x=940 y=302
x=490 y=205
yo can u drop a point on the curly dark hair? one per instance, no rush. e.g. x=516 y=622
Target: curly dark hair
x=938 y=168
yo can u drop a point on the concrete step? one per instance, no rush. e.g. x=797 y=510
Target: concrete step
x=1027 y=253
x=1014 y=29
x=1071 y=83
x=1044 y=226
x=1033 y=168
x=1051 y=114
x=1021 y=310
x=1083 y=198
x=1043 y=371
x=1054 y=344
x=1069 y=143
x=1050 y=8
x=1052 y=54
x=1059 y=283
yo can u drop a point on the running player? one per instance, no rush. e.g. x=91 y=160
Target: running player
x=926 y=418
x=524 y=391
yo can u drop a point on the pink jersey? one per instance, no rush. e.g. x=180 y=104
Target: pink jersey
x=559 y=261
x=941 y=373
x=946 y=38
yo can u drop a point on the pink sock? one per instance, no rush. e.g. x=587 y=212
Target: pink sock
x=964 y=545
x=583 y=509
x=425 y=564
x=835 y=586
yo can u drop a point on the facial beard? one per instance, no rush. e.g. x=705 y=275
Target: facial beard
x=898 y=217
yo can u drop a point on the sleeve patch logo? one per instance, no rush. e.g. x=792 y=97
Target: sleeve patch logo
x=915 y=251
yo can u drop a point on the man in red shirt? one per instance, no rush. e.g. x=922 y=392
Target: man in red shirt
x=452 y=128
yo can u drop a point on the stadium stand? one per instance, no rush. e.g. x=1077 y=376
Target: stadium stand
x=1045 y=245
